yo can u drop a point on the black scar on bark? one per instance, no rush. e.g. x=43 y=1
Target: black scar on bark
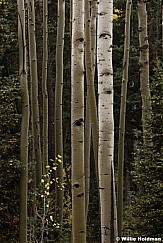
x=80 y=194
x=108 y=92
x=78 y=122
x=76 y=185
x=105 y=34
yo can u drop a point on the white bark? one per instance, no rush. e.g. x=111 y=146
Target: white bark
x=93 y=31
x=77 y=123
x=105 y=109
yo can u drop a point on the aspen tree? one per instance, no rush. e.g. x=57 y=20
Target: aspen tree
x=77 y=123
x=105 y=111
x=70 y=23
x=87 y=146
x=144 y=68
x=93 y=31
x=89 y=64
x=34 y=90
x=91 y=108
x=44 y=87
x=58 y=107
x=24 y=123
x=122 y=116
x=87 y=130
x=114 y=205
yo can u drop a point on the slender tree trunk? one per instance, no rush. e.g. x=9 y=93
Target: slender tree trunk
x=114 y=205
x=87 y=145
x=89 y=79
x=58 y=107
x=51 y=139
x=34 y=89
x=77 y=123
x=89 y=64
x=93 y=32
x=144 y=69
x=122 y=117
x=105 y=109
x=44 y=87
x=70 y=23
x=24 y=123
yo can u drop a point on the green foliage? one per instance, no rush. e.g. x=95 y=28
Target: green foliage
x=9 y=157
x=157 y=106
x=8 y=36
x=9 y=206
x=10 y=112
x=146 y=204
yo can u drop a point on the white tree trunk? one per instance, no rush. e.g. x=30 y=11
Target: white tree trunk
x=77 y=123
x=105 y=109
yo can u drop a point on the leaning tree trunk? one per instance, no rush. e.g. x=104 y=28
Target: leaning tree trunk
x=144 y=70
x=77 y=123
x=34 y=90
x=105 y=110
x=122 y=117
x=24 y=123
